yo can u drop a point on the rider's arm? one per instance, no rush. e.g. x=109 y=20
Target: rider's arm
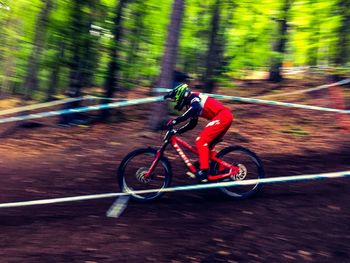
x=189 y=126
x=193 y=111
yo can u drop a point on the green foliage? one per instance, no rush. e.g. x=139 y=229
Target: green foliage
x=247 y=31
x=17 y=32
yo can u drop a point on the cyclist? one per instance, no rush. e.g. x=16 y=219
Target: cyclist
x=200 y=105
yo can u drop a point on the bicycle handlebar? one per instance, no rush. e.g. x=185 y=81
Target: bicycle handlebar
x=171 y=131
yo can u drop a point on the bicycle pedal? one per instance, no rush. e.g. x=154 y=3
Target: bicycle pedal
x=190 y=174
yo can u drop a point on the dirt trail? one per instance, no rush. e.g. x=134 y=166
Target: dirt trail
x=294 y=222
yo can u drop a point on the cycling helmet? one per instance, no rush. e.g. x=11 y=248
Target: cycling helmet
x=179 y=94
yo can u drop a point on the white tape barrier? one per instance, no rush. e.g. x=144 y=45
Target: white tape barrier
x=293 y=70
x=81 y=109
x=54 y=103
x=339 y=83
x=278 y=103
x=158 y=99
x=268 y=102
x=181 y=188
x=43 y=105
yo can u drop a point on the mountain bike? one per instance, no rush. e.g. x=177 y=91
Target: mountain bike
x=149 y=168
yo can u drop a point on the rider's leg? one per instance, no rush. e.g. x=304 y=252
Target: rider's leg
x=218 y=126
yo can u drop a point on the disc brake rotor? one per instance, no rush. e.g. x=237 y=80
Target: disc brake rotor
x=242 y=173
x=140 y=175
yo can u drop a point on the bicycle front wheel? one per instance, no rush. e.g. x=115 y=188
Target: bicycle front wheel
x=250 y=167
x=132 y=170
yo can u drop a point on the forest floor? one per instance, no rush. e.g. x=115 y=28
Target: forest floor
x=287 y=222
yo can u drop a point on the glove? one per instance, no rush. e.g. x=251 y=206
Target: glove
x=171 y=123
x=167 y=96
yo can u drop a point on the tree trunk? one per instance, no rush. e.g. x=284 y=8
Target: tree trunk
x=111 y=81
x=313 y=49
x=342 y=55
x=4 y=57
x=76 y=59
x=31 y=80
x=280 y=44
x=135 y=33
x=55 y=72
x=312 y=55
x=81 y=47
x=160 y=111
x=213 y=50
x=8 y=72
x=90 y=44
x=8 y=64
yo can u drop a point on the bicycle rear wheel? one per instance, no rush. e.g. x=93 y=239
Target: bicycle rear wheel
x=250 y=168
x=132 y=170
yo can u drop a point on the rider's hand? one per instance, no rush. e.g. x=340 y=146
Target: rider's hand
x=171 y=123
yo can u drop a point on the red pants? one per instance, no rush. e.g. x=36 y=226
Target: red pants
x=217 y=127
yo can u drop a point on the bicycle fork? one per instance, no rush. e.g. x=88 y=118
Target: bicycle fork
x=154 y=163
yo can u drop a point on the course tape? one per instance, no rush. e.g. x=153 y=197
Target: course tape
x=82 y=109
x=160 y=98
x=161 y=90
x=43 y=105
x=339 y=83
x=111 y=99
x=278 y=103
x=181 y=188
x=54 y=103
x=268 y=102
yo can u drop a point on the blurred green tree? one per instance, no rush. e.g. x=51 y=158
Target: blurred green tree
x=214 y=49
x=55 y=46
x=159 y=114
x=111 y=80
x=342 y=51
x=279 y=47
x=31 y=80
x=314 y=28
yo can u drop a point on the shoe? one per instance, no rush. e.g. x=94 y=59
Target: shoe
x=196 y=164
x=202 y=176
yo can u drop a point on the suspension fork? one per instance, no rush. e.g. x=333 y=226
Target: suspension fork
x=156 y=159
x=154 y=163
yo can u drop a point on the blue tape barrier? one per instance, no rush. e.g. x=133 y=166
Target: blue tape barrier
x=54 y=103
x=43 y=105
x=82 y=109
x=293 y=178
x=160 y=98
x=161 y=90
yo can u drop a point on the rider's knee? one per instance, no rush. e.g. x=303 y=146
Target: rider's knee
x=200 y=142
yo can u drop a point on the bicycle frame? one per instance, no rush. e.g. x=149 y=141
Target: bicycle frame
x=176 y=142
